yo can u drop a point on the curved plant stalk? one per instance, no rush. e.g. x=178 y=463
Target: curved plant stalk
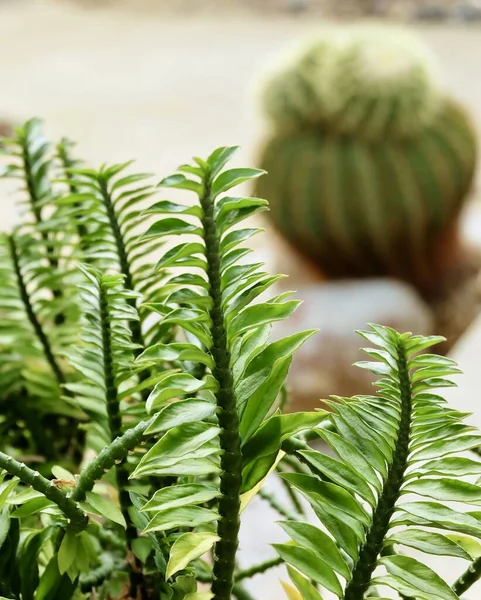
x=31 y=315
x=97 y=576
x=105 y=460
x=77 y=518
x=377 y=533
x=258 y=569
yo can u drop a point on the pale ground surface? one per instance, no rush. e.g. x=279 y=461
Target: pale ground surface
x=161 y=89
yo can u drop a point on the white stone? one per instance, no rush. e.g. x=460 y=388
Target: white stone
x=323 y=366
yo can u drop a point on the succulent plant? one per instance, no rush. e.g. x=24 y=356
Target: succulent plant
x=368 y=161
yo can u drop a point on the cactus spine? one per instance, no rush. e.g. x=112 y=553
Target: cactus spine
x=368 y=164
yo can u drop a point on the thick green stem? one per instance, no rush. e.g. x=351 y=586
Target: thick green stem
x=258 y=569
x=68 y=163
x=230 y=442
x=32 y=317
x=372 y=547
x=36 y=206
x=468 y=578
x=107 y=458
x=78 y=520
x=101 y=573
x=113 y=411
x=124 y=263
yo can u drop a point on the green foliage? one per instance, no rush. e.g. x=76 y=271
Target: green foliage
x=368 y=162
x=390 y=488
x=169 y=373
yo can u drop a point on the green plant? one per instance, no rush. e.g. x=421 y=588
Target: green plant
x=368 y=162
x=179 y=393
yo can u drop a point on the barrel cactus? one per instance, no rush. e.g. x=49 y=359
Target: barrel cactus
x=369 y=162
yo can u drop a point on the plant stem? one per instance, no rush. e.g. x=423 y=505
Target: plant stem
x=372 y=547
x=67 y=164
x=115 y=425
x=78 y=520
x=97 y=576
x=468 y=578
x=116 y=451
x=258 y=569
x=230 y=442
x=35 y=204
x=124 y=263
x=32 y=317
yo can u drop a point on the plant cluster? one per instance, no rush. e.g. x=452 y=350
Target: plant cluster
x=142 y=407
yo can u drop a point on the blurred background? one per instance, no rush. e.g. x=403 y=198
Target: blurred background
x=163 y=80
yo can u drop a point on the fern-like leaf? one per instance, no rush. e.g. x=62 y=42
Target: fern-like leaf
x=32 y=374
x=224 y=328
x=394 y=484
x=105 y=205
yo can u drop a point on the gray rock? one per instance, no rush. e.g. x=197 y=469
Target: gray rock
x=431 y=12
x=297 y=5
x=467 y=11
x=323 y=366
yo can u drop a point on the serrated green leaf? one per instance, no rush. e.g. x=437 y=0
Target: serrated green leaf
x=305 y=587
x=179 y=413
x=429 y=542
x=172 y=226
x=67 y=552
x=350 y=455
x=441 y=448
x=32 y=507
x=179 y=444
x=340 y=473
x=173 y=352
x=311 y=537
x=188 y=547
x=142 y=547
x=106 y=508
x=167 y=207
x=229 y=179
x=175 y=385
x=419 y=576
x=220 y=157
x=443 y=488
x=180 y=255
x=310 y=565
x=181 y=495
x=181 y=516
x=261 y=451
x=468 y=544
x=442 y=517
x=180 y=181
